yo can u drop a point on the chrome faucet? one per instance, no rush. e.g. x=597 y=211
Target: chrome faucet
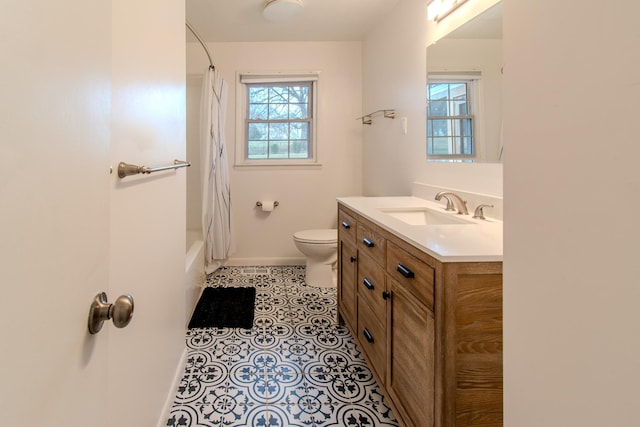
x=462 y=204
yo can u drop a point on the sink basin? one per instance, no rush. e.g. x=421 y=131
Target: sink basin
x=424 y=216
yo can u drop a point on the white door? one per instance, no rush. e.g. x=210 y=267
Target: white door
x=54 y=209
x=148 y=214
x=84 y=86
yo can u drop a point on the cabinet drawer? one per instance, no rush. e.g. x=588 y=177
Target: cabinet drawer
x=371 y=242
x=346 y=226
x=372 y=338
x=371 y=285
x=413 y=274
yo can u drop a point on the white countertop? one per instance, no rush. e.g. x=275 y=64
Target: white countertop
x=481 y=240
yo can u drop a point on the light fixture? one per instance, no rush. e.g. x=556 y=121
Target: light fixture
x=280 y=10
x=438 y=9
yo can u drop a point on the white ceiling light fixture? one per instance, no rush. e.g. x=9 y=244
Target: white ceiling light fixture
x=281 y=10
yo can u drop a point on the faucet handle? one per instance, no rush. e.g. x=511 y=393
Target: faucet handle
x=479 y=213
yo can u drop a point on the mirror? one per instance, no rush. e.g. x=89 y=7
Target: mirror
x=473 y=51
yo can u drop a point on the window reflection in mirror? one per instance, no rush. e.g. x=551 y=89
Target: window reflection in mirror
x=466 y=128
x=450 y=115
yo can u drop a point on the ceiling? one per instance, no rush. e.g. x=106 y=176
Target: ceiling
x=320 y=20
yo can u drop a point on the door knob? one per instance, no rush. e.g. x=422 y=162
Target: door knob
x=100 y=310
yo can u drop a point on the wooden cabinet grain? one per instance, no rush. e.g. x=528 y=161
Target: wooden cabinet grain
x=433 y=330
x=347 y=274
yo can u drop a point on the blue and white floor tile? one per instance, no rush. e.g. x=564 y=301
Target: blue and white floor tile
x=295 y=367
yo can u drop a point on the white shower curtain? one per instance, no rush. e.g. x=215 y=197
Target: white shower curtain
x=216 y=194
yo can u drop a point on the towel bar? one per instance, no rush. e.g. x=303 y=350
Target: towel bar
x=125 y=169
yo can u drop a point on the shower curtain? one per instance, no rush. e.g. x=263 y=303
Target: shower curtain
x=216 y=193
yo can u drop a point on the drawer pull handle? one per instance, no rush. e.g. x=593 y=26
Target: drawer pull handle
x=367 y=335
x=368 y=242
x=368 y=284
x=405 y=271
x=345 y=224
x=353 y=259
x=386 y=295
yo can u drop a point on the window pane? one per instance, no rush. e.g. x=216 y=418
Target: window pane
x=440 y=127
x=279 y=150
x=299 y=130
x=299 y=149
x=278 y=95
x=438 y=108
x=278 y=131
x=459 y=107
x=441 y=146
x=258 y=94
x=258 y=111
x=258 y=131
x=457 y=145
x=278 y=112
x=467 y=148
x=466 y=128
x=298 y=111
x=438 y=91
x=257 y=150
x=299 y=94
x=457 y=90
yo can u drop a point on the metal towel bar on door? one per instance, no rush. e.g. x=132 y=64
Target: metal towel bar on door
x=125 y=169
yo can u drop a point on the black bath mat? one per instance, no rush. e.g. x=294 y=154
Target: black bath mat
x=224 y=308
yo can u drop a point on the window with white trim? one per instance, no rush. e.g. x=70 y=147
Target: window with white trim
x=278 y=119
x=451 y=109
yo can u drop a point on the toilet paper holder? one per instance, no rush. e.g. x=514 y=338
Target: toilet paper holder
x=259 y=204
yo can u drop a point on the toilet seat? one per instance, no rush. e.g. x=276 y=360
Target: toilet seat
x=317 y=236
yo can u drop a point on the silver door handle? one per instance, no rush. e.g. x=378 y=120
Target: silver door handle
x=120 y=312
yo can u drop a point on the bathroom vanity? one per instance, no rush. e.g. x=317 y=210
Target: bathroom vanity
x=421 y=290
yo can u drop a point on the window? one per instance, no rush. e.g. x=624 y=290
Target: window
x=278 y=120
x=450 y=119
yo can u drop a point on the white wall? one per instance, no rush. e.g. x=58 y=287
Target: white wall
x=394 y=77
x=306 y=194
x=571 y=296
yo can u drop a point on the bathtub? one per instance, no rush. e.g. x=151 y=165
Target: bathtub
x=194 y=269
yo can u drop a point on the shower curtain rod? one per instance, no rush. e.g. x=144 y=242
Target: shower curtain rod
x=195 y=33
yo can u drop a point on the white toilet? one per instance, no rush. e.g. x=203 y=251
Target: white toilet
x=320 y=246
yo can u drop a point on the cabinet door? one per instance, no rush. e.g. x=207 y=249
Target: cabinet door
x=372 y=338
x=347 y=283
x=410 y=379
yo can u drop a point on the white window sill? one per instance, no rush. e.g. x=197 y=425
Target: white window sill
x=275 y=163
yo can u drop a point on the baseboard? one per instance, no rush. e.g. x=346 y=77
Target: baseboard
x=235 y=262
x=166 y=410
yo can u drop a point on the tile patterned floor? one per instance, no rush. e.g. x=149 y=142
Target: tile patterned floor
x=295 y=367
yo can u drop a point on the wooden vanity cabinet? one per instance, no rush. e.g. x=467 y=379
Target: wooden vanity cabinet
x=434 y=330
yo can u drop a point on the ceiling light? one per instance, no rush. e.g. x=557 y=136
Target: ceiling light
x=438 y=9
x=280 y=10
